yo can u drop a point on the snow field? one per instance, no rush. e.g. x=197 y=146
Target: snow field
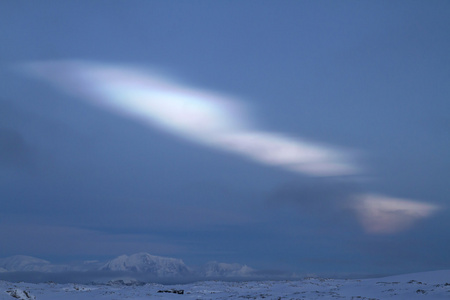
x=429 y=285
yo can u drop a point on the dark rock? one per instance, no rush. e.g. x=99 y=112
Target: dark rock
x=173 y=291
x=20 y=294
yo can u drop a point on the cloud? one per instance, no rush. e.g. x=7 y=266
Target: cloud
x=342 y=204
x=223 y=123
x=288 y=153
x=381 y=214
x=200 y=116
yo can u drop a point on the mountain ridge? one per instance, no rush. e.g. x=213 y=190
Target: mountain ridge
x=139 y=264
x=146 y=263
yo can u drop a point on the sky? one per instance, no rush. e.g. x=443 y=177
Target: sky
x=293 y=136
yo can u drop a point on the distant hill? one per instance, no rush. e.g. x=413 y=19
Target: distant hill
x=216 y=269
x=139 y=266
x=23 y=263
x=150 y=264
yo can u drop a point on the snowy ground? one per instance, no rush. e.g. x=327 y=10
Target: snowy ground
x=429 y=285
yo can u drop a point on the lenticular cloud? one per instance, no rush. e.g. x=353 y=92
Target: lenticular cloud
x=221 y=122
x=200 y=116
x=381 y=214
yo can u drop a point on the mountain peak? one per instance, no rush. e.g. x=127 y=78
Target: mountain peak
x=142 y=266
x=147 y=263
x=217 y=269
x=22 y=263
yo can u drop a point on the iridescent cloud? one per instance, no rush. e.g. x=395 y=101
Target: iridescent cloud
x=204 y=117
x=221 y=122
x=381 y=214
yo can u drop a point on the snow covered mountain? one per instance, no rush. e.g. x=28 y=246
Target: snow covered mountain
x=139 y=266
x=23 y=263
x=150 y=264
x=216 y=269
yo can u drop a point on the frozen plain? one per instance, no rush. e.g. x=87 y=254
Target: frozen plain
x=427 y=285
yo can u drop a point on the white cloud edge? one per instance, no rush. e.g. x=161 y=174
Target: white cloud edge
x=203 y=117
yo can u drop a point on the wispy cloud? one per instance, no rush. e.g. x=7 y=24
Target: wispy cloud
x=341 y=205
x=381 y=214
x=224 y=123
x=201 y=116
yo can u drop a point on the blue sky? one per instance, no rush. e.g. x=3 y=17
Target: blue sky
x=88 y=170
